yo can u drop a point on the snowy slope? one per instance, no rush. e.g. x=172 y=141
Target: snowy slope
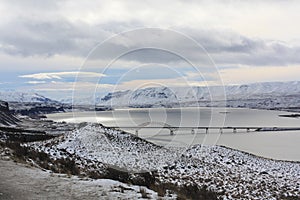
x=22 y=97
x=97 y=143
x=229 y=173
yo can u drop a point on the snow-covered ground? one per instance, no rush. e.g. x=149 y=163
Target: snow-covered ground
x=231 y=174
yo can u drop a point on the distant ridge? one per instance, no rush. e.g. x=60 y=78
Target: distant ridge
x=24 y=97
x=261 y=95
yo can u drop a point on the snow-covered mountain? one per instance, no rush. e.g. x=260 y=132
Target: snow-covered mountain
x=257 y=95
x=24 y=97
x=268 y=94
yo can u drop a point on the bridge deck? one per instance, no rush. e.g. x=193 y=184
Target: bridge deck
x=257 y=128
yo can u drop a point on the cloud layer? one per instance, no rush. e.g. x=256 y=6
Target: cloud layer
x=74 y=28
x=47 y=41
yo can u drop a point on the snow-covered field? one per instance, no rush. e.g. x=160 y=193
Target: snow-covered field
x=229 y=173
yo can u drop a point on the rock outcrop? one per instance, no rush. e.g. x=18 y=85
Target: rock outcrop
x=6 y=117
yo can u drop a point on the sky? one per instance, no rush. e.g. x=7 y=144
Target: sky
x=54 y=47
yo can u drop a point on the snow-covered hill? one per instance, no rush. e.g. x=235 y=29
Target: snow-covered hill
x=228 y=173
x=267 y=95
x=24 y=97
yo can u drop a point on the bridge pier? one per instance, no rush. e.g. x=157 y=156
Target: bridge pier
x=221 y=130
x=193 y=131
x=206 y=130
x=234 y=130
x=137 y=132
x=248 y=130
x=171 y=132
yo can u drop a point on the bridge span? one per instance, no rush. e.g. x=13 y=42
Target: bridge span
x=172 y=129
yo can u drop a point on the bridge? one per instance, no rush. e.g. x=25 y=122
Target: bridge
x=172 y=129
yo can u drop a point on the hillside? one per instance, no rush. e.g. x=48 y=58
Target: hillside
x=100 y=152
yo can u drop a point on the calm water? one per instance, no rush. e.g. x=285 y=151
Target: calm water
x=283 y=145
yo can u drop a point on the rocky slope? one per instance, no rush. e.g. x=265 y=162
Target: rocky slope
x=14 y=127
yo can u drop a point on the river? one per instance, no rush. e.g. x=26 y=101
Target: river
x=281 y=145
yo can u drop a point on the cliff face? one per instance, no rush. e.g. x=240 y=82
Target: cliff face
x=6 y=118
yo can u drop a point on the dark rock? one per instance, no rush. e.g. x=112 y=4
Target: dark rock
x=6 y=117
x=4 y=106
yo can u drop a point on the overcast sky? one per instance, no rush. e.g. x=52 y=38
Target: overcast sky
x=43 y=44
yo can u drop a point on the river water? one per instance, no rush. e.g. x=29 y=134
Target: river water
x=281 y=145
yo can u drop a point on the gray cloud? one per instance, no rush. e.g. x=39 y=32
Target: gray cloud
x=49 y=38
x=226 y=48
x=47 y=32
